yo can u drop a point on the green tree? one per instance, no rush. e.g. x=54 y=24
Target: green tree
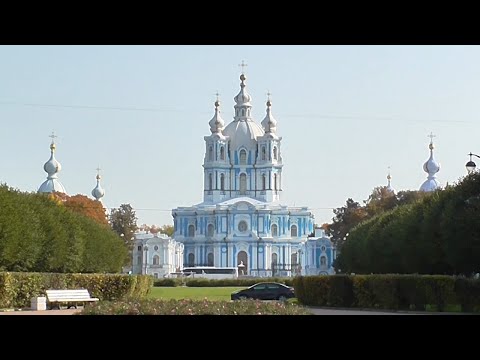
x=124 y=222
x=39 y=234
x=379 y=201
x=346 y=218
x=430 y=233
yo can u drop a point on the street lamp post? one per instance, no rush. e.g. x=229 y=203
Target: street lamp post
x=471 y=165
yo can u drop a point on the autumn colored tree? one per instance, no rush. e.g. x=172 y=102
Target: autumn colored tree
x=81 y=205
x=88 y=207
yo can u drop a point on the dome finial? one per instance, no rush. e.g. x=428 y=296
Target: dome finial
x=243 y=66
x=243 y=98
x=217 y=124
x=431 y=136
x=269 y=123
x=269 y=103
x=52 y=167
x=431 y=167
x=98 y=192
x=52 y=145
x=389 y=186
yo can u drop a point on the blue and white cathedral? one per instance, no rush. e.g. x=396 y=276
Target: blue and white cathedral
x=242 y=221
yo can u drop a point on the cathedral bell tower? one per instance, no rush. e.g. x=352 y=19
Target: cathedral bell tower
x=269 y=159
x=216 y=163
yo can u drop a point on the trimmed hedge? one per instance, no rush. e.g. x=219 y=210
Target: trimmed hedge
x=17 y=289
x=393 y=292
x=167 y=282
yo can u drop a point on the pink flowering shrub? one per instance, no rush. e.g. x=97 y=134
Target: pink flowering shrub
x=192 y=307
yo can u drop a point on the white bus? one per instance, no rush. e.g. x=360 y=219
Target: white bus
x=211 y=272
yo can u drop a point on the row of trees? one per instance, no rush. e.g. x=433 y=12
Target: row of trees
x=42 y=233
x=61 y=233
x=435 y=233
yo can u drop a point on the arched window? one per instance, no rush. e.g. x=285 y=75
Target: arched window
x=222 y=153
x=243 y=157
x=275 y=153
x=293 y=259
x=222 y=182
x=264 y=182
x=274 y=264
x=293 y=231
x=274 y=230
x=191 y=259
x=275 y=181
x=210 y=259
x=264 y=153
x=243 y=184
x=323 y=261
x=191 y=230
x=243 y=112
x=210 y=182
x=210 y=230
x=156 y=260
x=210 y=153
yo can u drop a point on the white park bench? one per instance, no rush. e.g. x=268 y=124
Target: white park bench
x=70 y=297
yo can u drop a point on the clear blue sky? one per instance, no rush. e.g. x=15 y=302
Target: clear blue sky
x=346 y=113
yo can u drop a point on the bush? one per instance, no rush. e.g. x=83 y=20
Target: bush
x=362 y=291
x=468 y=293
x=393 y=292
x=315 y=290
x=440 y=290
x=17 y=289
x=192 y=307
x=340 y=291
x=385 y=291
x=411 y=292
x=166 y=282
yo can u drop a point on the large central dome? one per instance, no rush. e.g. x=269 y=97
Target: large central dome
x=243 y=133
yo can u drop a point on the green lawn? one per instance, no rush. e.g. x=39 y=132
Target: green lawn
x=199 y=293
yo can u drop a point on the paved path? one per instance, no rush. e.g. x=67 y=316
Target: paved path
x=46 y=312
x=323 y=311
x=316 y=311
x=319 y=311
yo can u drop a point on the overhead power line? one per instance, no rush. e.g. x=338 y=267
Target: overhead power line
x=169 y=109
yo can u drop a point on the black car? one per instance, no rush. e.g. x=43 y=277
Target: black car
x=265 y=291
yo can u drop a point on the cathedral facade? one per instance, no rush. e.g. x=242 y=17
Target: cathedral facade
x=242 y=221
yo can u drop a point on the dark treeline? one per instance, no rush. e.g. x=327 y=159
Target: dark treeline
x=39 y=234
x=437 y=233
